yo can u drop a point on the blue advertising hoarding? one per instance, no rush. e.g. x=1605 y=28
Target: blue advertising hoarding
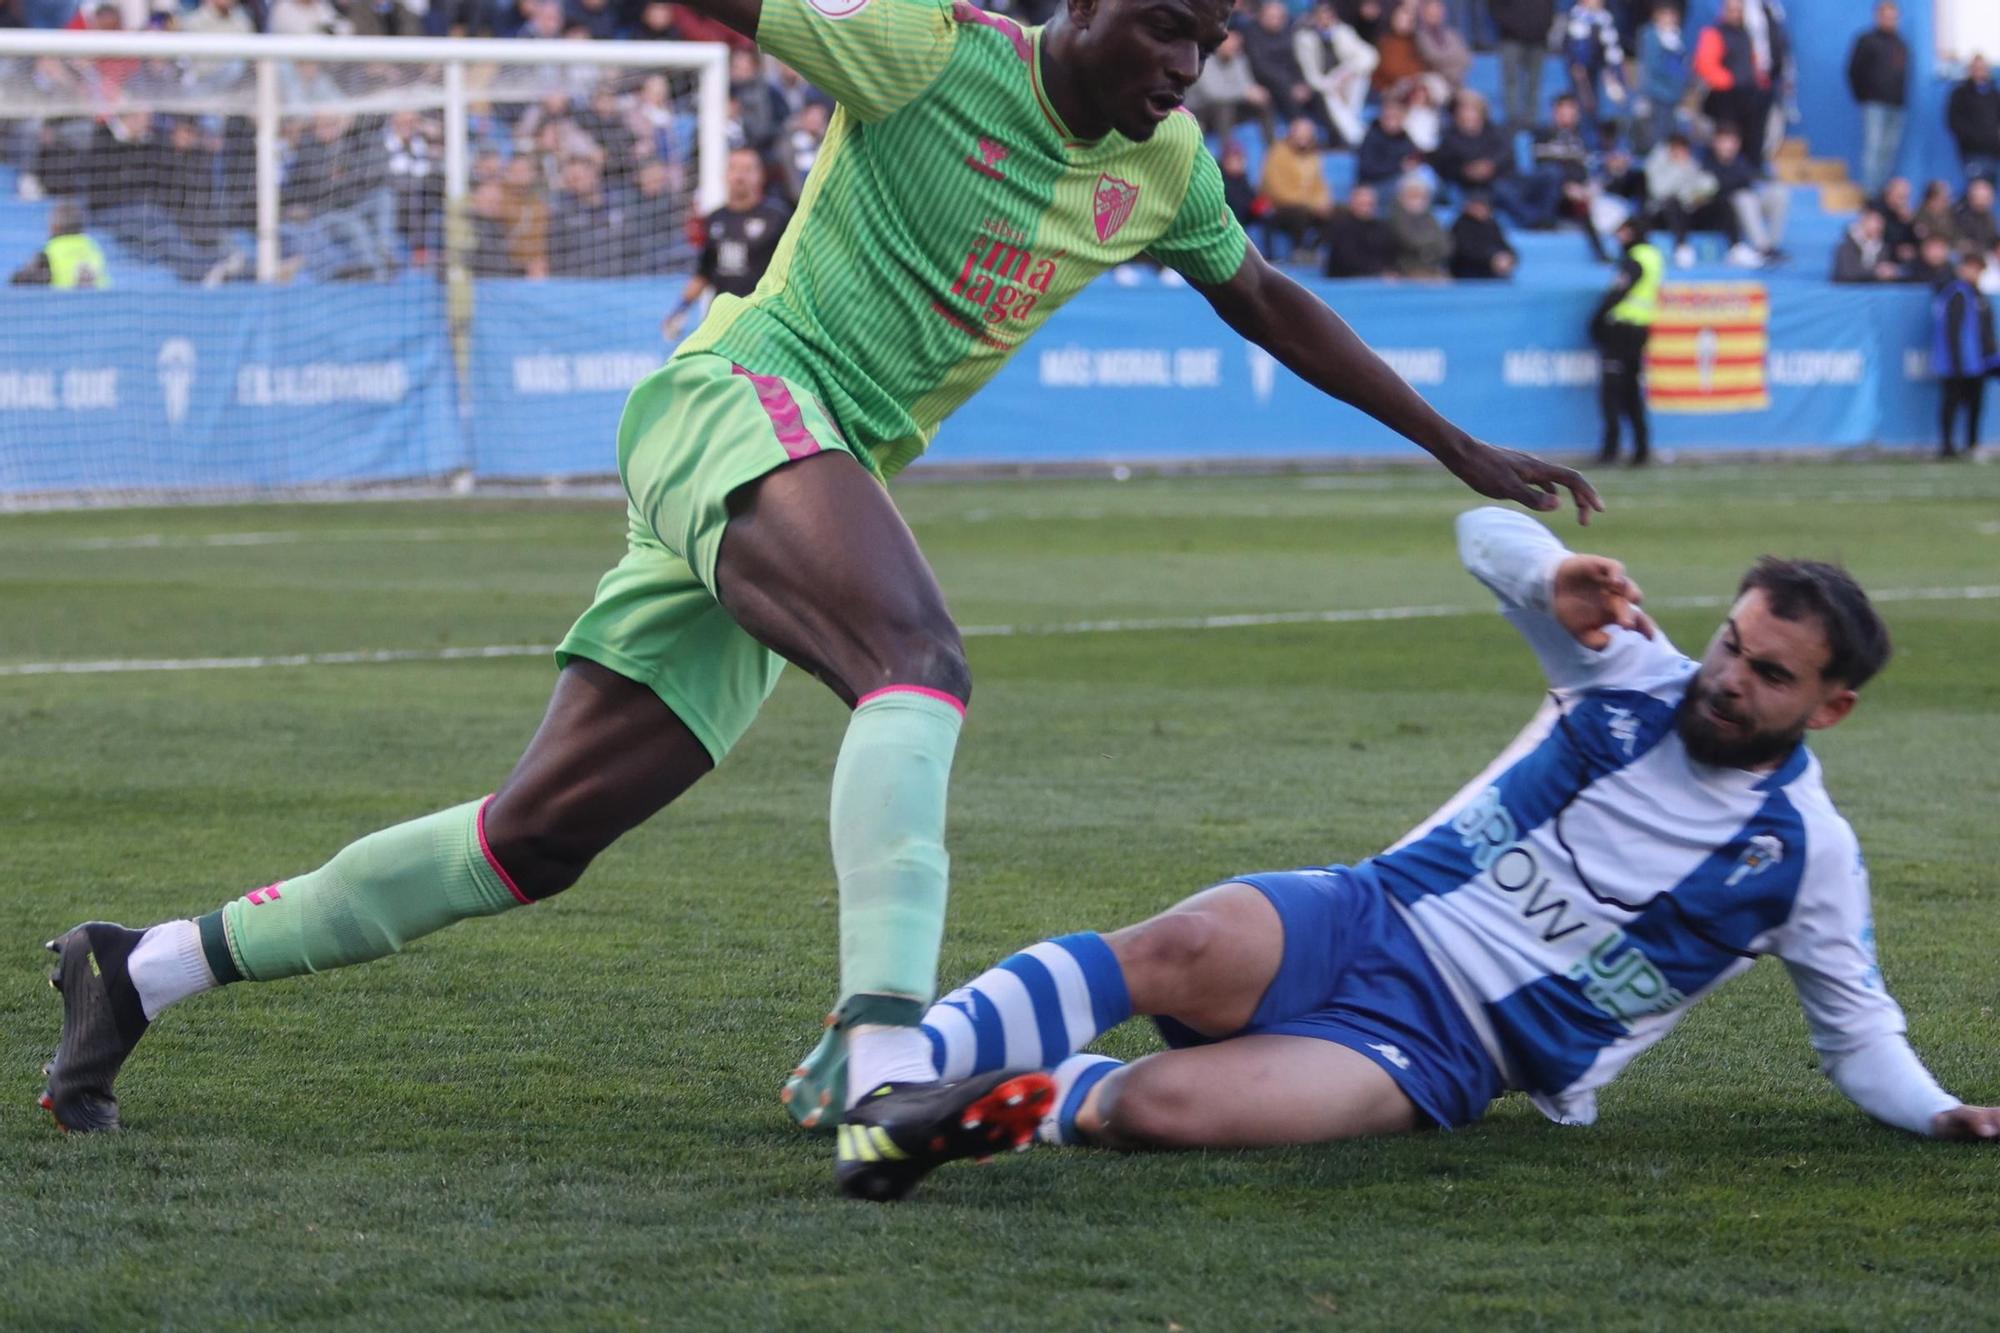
x=242 y=386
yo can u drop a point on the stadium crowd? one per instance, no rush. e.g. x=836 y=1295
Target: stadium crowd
x=594 y=178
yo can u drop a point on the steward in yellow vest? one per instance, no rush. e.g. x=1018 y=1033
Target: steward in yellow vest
x=70 y=260
x=1623 y=322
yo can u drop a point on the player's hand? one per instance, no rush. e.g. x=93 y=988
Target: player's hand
x=1508 y=474
x=1592 y=594
x=671 y=326
x=1978 y=1124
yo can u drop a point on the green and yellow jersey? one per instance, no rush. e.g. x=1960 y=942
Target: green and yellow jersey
x=949 y=214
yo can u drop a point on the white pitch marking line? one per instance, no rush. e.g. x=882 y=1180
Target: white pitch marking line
x=155 y=541
x=1248 y=620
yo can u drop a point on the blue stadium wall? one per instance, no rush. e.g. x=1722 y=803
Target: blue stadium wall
x=274 y=388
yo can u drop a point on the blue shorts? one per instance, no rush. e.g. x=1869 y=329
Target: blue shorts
x=1353 y=974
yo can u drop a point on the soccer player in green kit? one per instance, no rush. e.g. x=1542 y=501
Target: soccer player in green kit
x=976 y=176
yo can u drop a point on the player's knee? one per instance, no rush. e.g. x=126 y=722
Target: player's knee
x=1174 y=944
x=931 y=655
x=544 y=846
x=1147 y=1106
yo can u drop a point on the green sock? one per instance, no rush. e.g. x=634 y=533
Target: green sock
x=888 y=850
x=372 y=898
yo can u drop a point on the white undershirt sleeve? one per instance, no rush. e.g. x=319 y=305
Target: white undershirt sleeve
x=1517 y=559
x=1887 y=1080
x=1857 y=1027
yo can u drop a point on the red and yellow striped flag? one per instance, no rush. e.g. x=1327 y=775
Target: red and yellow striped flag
x=1708 y=348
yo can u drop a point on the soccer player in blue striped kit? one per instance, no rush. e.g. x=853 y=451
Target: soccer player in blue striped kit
x=1658 y=826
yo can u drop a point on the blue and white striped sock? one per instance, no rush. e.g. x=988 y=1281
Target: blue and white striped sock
x=1075 y=1077
x=1032 y=1011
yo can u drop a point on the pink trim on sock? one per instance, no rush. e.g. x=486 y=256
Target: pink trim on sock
x=786 y=420
x=268 y=894
x=924 y=690
x=486 y=849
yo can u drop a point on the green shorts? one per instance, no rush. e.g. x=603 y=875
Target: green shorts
x=692 y=433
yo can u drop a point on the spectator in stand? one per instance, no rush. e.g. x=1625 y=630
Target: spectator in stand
x=1364 y=16
x=596 y=17
x=1400 y=63
x=1442 y=46
x=1479 y=249
x=589 y=226
x=1973 y=114
x=1878 y=74
x=1274 y=62
x=1295 y=186
x=1422 y=118
x=1963 y=352
x=1228 y=94
x=1899 y=216
x=1422 y=247
x=1358 y=241
x=525 y=210
x=338 y=202
x=653 y=121
x=657 y=240
x=1739 y=87
x=1476 y=154
x=489 y=249
x=655 y=23
x=190 y=190
x=382 y=18
x=1684 y=197
x=1524 y=43
x=303 y=18
x=1861 y=255
x=1387 y=149
x=223 y=17
x=1932 y=265
x=1760 y=204
x=738 y=240
x=804 y=133
x=1336 y=64
x=1596 y=62
x=760 y=105
x=71 y=260
x=412 y=146
x=1663 y=79
x=1563 y=160
x=1938 y=215
x=129 y=193
x=1977 y=227
x=605 y=119
x=1239 y=192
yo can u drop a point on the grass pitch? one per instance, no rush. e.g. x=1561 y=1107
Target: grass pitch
x=567 y=1117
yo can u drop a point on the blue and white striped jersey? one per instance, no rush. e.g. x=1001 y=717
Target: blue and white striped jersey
x=1595 y=881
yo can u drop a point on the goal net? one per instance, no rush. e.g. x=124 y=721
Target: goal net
x=253 y=265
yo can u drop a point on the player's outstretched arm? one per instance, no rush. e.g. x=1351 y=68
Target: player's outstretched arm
x=1314 y=343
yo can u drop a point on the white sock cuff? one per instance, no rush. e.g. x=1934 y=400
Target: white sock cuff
x=167 y=965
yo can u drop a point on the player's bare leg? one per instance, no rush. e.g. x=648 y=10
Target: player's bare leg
x=817 y=565
x=1246 y=1092
x=608 y=755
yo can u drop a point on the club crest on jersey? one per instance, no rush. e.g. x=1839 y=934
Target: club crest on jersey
x=1115 y=199
x=1764 y=851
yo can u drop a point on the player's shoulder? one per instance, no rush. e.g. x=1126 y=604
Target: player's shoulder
x=984 y=26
